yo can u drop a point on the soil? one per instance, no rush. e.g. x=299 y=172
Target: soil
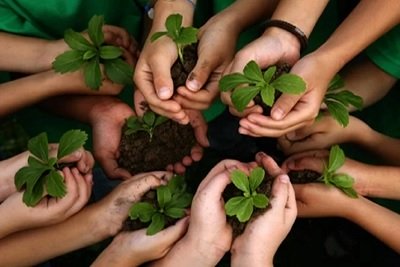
x=171 y=141
x=232 y=191
x=303 y=177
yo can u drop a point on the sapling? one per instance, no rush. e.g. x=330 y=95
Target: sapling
x=338 y=100
x=172 y=200
x=253 y=81
x=243 y=206
x=41 y=175
x=90 y=54
x=182 y=36
x=147 y=123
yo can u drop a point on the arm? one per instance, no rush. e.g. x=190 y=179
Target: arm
x=8 y=169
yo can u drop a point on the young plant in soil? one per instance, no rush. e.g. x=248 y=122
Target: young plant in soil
x=90 y=54
x=41 y=175
x=253 y=82
x=163 y=207
x=153 y=142
x=246 y=197
x=338 y=100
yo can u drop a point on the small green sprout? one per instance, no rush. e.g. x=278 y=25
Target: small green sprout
x=41 y=175
x=253 y=81
x=147 y=123
x=342 y=181
x=242 y=206
x=182 y=36
x=338 y=100
x=172 y=200
x=88 y=55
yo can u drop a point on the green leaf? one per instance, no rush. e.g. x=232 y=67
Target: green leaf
x=163 y=195
x=55 y=185
x=32 y=196
x=89 y=55
x=68 y=61
x=269 y=73
x=157 y=35
x=39 y=147
x=253 y=72
x=35 y=163
x=110 y=52
x=289 y=83
x=92 y=73
x=76 y=41
x=338 y=112
x=342 y=180
x=157 y=224
x=346 y=98
x=336 y=158
x=173 y=25
x=350 y=192
x=241 y=97
x=95 y=30
x=28 y=174
x=240 y=180
x=233 y=204
x=245 y=210
x=230 y=81
x=187 y=36
x=51 y=163
x=256 y=177
x=160 y=120
x=175 y=213
x=71 y=141
x=336 y=83
x=149 y=117
x=143 y=211
x=119 y=71
x=260 y=201
x=181 y=200
x=268 y=95
x=176 y=184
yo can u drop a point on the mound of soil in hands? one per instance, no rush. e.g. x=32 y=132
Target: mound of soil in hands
x=179 y=71
x=303 y=177
x=170 y=143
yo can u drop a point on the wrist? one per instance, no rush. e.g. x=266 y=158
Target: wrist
x=52 y=49
x=164 y=8
x=286 y=38
x=110 y=107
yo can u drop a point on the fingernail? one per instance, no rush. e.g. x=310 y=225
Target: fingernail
x=77 y=154
x=193 y=85
x=261 y=154
x=164 y=93
x=277 y=114
x=284 y=179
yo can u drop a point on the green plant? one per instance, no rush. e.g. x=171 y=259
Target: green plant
x=340 y=180
x=41 y=175
x=172 y=200
x=338 y=100
x=182 y=36
x=254 y=81
x=90 y=54
x=242 y=206
x=147 y=123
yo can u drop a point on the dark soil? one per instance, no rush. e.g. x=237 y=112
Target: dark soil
x=170 y=143
x=303 y=177
x=232 y=191
x=179 y=71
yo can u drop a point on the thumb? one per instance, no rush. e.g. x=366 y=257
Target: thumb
x=174 y=232
x=200 y=73
x=139 y=103
x=283 y=105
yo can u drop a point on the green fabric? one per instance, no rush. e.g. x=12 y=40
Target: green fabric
x=385 y=52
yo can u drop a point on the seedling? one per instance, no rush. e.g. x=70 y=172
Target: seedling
x=41 y=175
x=340 y=180
x=182 y=36
x=172 y=200
x=254 y=81
x=338 y=101
x=242 y=206
x=89 y=55
x=147 y=123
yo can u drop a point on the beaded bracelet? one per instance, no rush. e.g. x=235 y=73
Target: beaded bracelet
x=299 y=34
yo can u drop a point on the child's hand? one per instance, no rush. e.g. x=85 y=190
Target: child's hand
x=82 y=158
x=135 y=248
x=322 y=134
x=49 y=210
x=262 y=236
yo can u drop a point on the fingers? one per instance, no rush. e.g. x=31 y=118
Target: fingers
x=200 y=73
x=269 y=164
x=111 y=167
x=173 y=233
x=213 y=190
x=312 y=160
x=84 y=191
x=85 y=165
x=283 y=105
x=196 y=154
x=163 y=83
x=200 y=127
x=280 y=193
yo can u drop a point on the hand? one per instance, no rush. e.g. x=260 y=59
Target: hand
x=107 y=120
x=217 y=39
x=262 y=236
x=114 y=208
x=49 y=210
x=316 y=160
x=273 y=47
x=82 y=158
x=322 y=134
x=135 y=248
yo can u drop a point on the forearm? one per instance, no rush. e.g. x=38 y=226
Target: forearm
x=164 y=8
x=356 y=32
x=31 y=247
x=26 y=54
x=9 y=168
x=377 y=220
